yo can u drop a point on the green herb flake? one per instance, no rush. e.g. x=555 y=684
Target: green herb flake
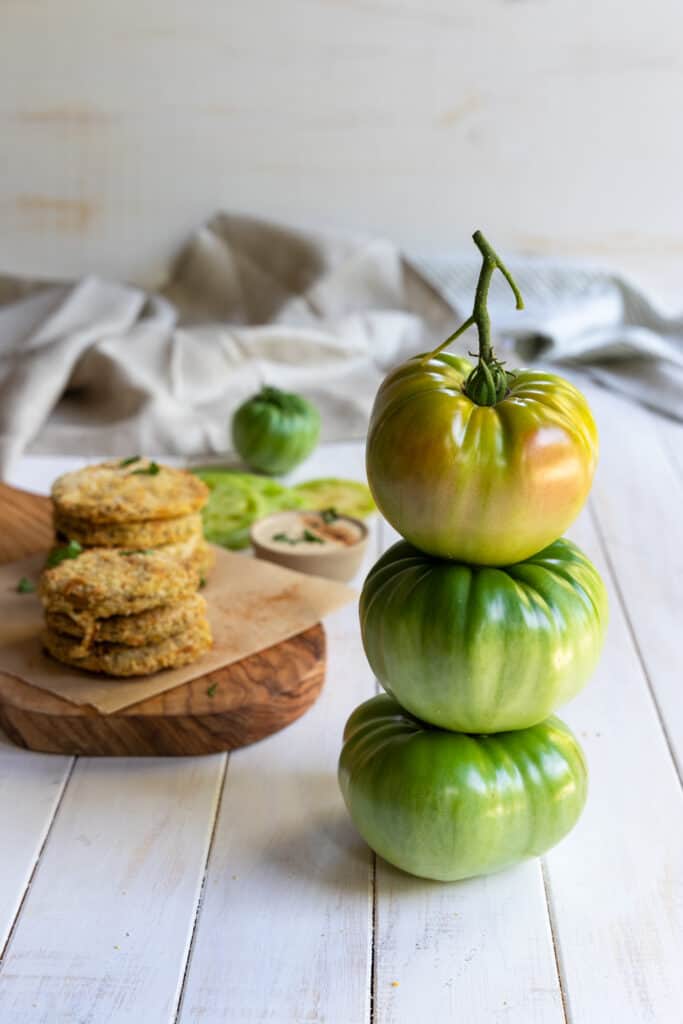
x=312 y=538
x=138 y=551
x=307 y=537
x=58 y=555
x=329 y=515
x=25 y=586
x=129 y=461
x=211 y=692
x=202 y=582
x=283 y=538
x=152 y=470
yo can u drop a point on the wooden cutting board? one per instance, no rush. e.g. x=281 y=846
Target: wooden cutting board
x=248 y=700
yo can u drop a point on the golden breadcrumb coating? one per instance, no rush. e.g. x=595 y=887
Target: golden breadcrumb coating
x=145 y=533
x=111 y=492
x=108 y=581
x=150 y=627
x=117 y=660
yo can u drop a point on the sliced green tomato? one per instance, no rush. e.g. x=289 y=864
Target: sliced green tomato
x=348 y=497
x=237 y=500
x=231 y=509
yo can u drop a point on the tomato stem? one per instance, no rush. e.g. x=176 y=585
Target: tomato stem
x=488 y=381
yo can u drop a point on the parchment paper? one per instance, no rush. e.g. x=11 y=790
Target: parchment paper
x=253 y=604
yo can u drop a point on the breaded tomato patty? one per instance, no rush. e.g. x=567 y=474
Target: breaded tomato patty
x=150 y=627
x=107 y=581
x=117 y=660
x=128 y=491
x=143 y=533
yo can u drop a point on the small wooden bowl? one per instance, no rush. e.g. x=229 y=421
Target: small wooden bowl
x=335 y=562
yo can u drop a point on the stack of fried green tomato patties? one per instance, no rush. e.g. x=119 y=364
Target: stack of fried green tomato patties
x=481 y=621
x=120 y=589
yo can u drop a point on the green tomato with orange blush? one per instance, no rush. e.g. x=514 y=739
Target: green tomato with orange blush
x=475 y=463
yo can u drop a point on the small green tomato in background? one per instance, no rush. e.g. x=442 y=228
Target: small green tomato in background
x=446 y=805
x=479 y=649
x=275 y=430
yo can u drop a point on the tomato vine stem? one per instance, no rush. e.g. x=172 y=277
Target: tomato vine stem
x=488 y=382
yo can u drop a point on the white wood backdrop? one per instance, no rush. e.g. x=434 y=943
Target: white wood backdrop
x=554 y=125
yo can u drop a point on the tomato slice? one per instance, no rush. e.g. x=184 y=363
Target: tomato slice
x=348 y=497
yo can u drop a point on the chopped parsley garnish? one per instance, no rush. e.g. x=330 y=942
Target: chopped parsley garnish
x=25 y=586
x=311 y=538
x=202 y=582
x=150 y=470
x=129 y=461
x=329 y=515
x=211 y=692
x=138 y=551
x=58 y=555
x=307 y=537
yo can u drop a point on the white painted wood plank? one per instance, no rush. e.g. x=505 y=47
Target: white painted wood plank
x=671 y=433
x=285 y=930
x=323 y=141
x=31 y=786
x=104 y=932
x=617 y=883
x=478 y=951
x=638 y=498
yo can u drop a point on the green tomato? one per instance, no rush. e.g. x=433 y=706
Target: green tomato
x=446 y=805
x=274 y=431
x=478 y=649
x=485 y=484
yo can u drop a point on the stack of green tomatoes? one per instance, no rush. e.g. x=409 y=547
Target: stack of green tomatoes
x=478 y=624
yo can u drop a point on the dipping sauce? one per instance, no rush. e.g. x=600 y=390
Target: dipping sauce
x=321 y=543
x=320 y=528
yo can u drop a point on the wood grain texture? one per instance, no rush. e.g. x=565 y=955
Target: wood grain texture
x=25 y=523
x=285 y=934
x=221 y=710
x=105 y=928
x=285 y=930
x=30 y=789
x=376 y=109
x=485 y=944
x=615 y=883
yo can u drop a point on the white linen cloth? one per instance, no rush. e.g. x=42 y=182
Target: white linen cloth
x=100 y=367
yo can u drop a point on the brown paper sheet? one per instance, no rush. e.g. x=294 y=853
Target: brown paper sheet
x=253 y=604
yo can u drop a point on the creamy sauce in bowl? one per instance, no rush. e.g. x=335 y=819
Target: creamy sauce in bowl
x=322 y=543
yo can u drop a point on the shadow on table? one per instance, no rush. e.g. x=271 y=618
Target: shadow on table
x=310 y=833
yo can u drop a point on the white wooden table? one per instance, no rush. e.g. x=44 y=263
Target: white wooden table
x=234 y=889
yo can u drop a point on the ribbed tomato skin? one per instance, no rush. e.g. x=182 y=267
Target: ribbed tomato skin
x=447 y=805
x=480 y=649
x=489 y=485
x=274 y=431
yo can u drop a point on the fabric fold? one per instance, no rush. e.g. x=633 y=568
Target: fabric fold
x=97 y=367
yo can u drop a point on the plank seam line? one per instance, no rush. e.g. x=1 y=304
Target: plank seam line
x=373 y=938
x=666 y=450
x=634 y=639
x=39 y=856
x=552 y=922
x=202 y=889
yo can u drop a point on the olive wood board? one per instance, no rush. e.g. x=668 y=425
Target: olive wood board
x=225 y=709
